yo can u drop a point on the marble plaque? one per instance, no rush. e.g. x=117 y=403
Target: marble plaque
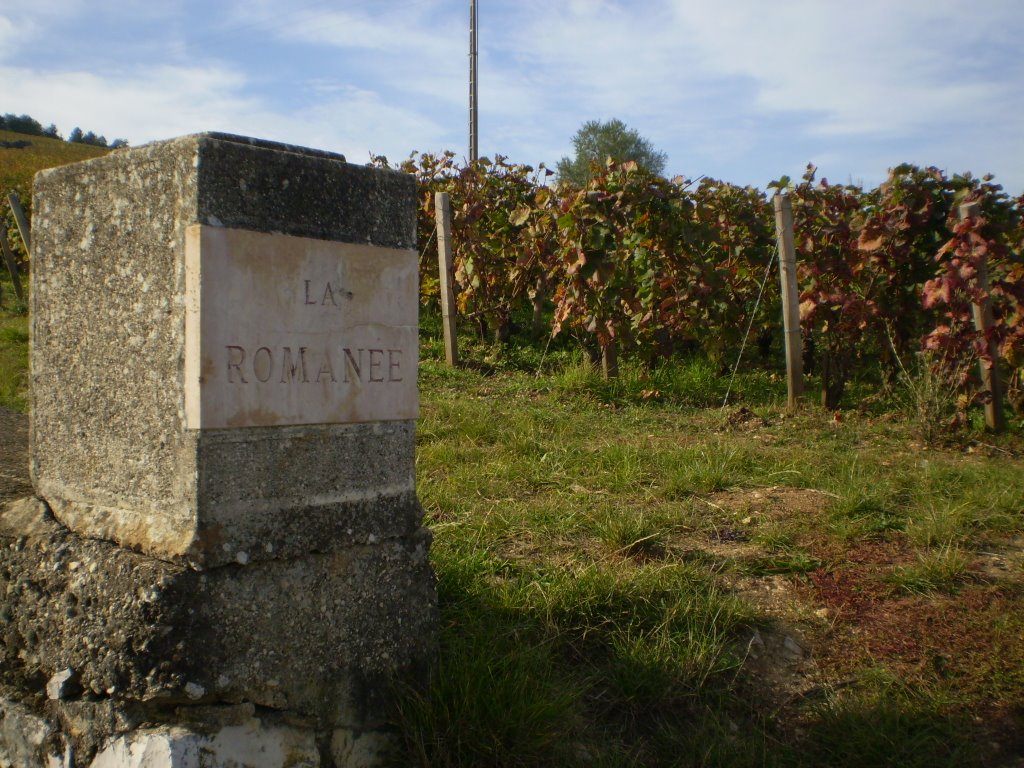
x=283 y=330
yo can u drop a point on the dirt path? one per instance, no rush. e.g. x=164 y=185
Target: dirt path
x=14 y=480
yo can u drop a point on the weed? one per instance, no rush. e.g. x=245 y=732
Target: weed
x=632 y=535
x=931 y=399
x=942 y=521
x=941 y=569
x=786 y=562
x=775 y=538
x=712 y=467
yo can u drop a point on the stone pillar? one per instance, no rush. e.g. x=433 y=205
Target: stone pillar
x=224 y=353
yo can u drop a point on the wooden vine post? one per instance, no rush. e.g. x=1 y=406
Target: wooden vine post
x=22 y=221
x=5 y=245
x=983 y=322
x=610 y=359
x=12 y=265
x=443 y=218
x=790 y=300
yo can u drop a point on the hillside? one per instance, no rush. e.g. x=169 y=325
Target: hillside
x=18 y=165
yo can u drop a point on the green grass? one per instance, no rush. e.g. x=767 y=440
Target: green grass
x=13 y=358
x=588 y=618
x=887 y=726
x=943 y=568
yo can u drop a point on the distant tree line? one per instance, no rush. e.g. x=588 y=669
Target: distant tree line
x=32 y=127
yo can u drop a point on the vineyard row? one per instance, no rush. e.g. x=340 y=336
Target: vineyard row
x=641 y=266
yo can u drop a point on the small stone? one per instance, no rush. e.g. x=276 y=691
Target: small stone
x=756 y=646
x=194 y=691
x=792 y=649
x=821 y=613
x=242 y=558
x=63 y=685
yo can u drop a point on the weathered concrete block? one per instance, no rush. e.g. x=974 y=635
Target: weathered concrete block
x=224 y=349
x=321 y=637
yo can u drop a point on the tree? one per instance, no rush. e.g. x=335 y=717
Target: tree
x=21 y=124
x=75 y=137
x=596 y=141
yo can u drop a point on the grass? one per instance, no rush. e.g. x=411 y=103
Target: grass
x=605 y=552
x=13 y=356
x=575 y=514
x=892 y=726
x=604 y=549
x=942 y=568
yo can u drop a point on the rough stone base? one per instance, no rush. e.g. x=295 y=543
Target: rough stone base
x=28 y=740
x=251 y=743
x=100 y=644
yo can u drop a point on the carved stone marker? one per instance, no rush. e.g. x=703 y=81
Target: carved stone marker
x=224 y=355
x=187 y=294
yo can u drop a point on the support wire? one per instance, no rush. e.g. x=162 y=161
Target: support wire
x=743 y=346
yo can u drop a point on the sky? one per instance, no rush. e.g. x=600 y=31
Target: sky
x=740 y=90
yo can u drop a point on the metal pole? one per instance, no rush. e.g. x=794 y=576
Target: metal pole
x=473 y=150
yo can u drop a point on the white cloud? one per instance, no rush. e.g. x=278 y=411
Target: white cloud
x=141 y=105
x=385 y=31
x=14 y=34
x=8 y=34
x=872 y=67
x=357 y=122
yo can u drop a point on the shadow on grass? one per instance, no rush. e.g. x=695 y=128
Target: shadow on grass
x=604 y=667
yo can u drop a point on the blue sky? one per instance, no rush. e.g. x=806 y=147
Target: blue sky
x=741 y=90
